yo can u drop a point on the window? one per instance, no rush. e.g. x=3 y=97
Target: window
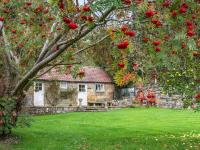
x=99 y=87
x=82 y=88
x=63 y=85
x=38 y=86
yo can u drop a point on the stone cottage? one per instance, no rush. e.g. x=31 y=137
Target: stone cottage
x=62 y=90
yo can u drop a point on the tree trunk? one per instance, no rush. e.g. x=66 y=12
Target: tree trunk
x=9 y=105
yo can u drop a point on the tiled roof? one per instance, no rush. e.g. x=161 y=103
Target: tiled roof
x=92 y=74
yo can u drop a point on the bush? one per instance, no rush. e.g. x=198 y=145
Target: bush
x=187 y=103
x=8 y=115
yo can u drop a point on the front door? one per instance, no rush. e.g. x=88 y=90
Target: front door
x=82 y=94
x=38 y=94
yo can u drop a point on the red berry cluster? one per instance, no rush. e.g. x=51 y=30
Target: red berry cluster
x=190 y=28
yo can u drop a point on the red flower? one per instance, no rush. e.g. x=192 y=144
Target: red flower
x=123 y=45
x=14 y=31
x=67 y=20
x=157 y=49
x=190 y=33
x=1 y=19
x=174 y=13
x=121 y=65
x=149 y=13
x=86 y=8
x=130 y=33
x=124 y=27
x=72 y=26
x=166 y=3
x=156 y=43
x=127 y=2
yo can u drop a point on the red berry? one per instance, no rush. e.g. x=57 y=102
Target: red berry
x=156 y=43
x=145 y=39
x=1 y=122
x=157 y=49
x=123 y=45
x=196 y=54
x=183 y=45
x=84 y=17
x=166 y=3
x=174 y=13
x=190 y=33
x=86 y=8
x=1 y=19
x=126 y=2
x=130 y=33
x=184 y=5
x=61 y=5
x=121 y=65
x=14 y=31
x=189 y=23
x=67 y=20
x=90 y=18
x=149 y=13
x=124 y=27
x=72 y=26
x=182 y=10
x=28 y=3
x=6 y=10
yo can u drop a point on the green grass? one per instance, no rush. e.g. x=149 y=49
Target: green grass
x=125 y=129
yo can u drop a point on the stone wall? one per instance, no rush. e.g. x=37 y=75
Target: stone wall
x=106 y=95
x=56 y=110
x=92 y=95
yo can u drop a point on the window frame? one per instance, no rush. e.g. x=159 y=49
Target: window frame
x=63 y=87
x=101 y=87
x=80 y=89
x=38 y=86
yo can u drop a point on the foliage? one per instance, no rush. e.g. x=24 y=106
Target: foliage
x=7 y=115
x=52 y=93
x=187 y=103
x=162 y=46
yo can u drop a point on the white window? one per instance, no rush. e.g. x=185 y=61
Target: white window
x=100 y=88
x=63 y=85
x=82 y=88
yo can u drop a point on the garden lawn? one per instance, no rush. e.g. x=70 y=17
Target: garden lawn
x=125 y=129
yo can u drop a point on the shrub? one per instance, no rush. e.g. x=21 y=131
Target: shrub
x=187 y=103
x=8 y=115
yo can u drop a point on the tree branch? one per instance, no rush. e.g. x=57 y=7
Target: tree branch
x=92 y=45
x=29 y=75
